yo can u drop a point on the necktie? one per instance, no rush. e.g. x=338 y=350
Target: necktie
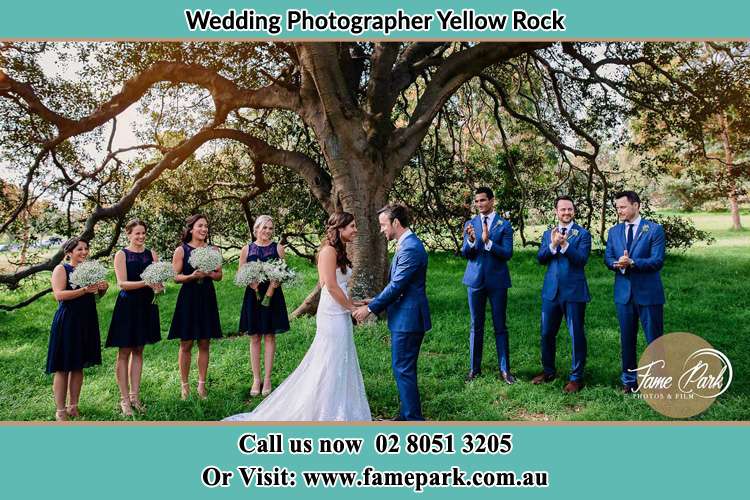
x=629 y=238
x=563 y=230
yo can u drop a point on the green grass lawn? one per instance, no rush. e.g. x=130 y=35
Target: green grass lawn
x=707 y=294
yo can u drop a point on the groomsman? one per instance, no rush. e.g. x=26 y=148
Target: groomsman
x=488 y=246
x=565 y=250
x=635 y=252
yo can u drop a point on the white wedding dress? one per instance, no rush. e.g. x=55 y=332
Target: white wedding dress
x=327 y=385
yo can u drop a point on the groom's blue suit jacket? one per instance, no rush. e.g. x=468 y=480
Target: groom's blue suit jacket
x=405 y=297
x=642 y=281
x=488 y=269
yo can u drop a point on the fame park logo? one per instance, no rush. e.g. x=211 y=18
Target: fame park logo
x=680 y=375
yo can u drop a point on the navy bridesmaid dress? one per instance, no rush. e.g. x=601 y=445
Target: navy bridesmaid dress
x=135 y=320
x=196 y=315
x=256 y=319
x=74 y=342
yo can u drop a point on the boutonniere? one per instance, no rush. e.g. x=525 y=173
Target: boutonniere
x=574 y=232
x=497 y=224
x=645 y=229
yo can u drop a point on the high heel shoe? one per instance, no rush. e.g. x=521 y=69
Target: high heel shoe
x=185 y=390
x=266 y=390
x=61 y=415
x=125 y=408
x=255 y=392
x=136 y=403
x=202 y=393
x=72 y=411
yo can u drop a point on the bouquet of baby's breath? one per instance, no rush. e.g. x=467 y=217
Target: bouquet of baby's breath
x=277 y=270
x=253 y=271
x=205 y=259
x=157 y=273
x=88 y=273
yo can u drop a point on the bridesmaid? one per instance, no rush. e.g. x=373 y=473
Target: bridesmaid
x=74 y=342
x=196 y=316
x=135 y=320
x=258 y=320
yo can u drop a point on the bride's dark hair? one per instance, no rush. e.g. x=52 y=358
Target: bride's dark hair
x=337 y=221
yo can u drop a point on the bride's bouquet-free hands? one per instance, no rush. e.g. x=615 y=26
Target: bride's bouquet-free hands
x=88 y=273
x=157 y=274
x=277 y=272
x=206 y=260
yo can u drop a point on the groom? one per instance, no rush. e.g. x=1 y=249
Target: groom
x=406 y=302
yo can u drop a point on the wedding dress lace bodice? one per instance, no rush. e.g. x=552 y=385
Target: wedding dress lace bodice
x=328 y=304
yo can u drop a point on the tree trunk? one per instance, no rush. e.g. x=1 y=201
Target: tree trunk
x=310 y=304
x=735 y=208
x=359 y=190
x=729 y=160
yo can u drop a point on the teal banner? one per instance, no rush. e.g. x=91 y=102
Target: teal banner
x=337 y=19
x=478 y=460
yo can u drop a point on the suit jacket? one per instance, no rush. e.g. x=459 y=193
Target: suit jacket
x=488 y=268
x=405 y=297
x=642 y=280
x=565 y=277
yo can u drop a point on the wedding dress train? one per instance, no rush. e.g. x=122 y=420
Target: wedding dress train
x=327 y=385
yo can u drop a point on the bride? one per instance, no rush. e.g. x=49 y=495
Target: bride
x=327 y=384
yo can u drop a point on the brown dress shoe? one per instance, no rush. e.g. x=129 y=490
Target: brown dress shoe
x=628 y=389
x=542 y=378
x=573 y=386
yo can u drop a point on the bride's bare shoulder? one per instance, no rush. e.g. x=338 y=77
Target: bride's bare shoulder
x=327 y=256
x=327 y=251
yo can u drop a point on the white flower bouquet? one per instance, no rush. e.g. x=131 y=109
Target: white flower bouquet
x=157 y=273
x=88 y=273
x=277 y=270
x=205 y=259
x=254 y=271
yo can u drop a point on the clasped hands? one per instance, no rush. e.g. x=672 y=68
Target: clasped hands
x=100 y=287
x=624 y=262
x=361 y=312
x=199 y=275
x=558 y=238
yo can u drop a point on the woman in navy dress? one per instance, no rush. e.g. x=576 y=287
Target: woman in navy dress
x=135 y=320
x=196 y=315
x=258 y=320
x=74 y=342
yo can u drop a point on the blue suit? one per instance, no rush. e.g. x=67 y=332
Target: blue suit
x=486 y=277
x=565 y=293
x=405 y=300
x=639 y=293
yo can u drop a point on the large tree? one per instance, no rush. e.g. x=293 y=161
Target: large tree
x=346 y=118
x=699 y=126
